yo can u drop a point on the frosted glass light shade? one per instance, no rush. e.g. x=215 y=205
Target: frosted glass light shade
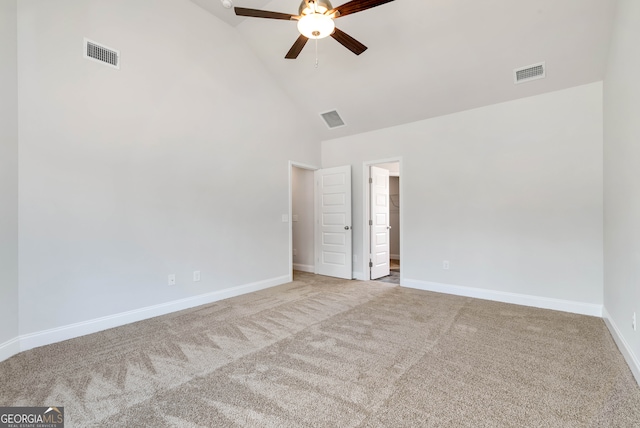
x=316 y=26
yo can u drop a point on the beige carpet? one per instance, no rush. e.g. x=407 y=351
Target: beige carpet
x=333 y=353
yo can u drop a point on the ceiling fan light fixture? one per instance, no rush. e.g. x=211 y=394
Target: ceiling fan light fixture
x=316 y=26
x=315 y=21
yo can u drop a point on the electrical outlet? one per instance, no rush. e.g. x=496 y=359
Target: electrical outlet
x=196 y=275
x=172 y=279
x=445 y=265
x=633 y=321
x=285 y=218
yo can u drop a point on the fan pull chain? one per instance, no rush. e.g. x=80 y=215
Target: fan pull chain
x=316 y=53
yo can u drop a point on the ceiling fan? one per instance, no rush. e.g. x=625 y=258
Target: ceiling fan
x=315 y=21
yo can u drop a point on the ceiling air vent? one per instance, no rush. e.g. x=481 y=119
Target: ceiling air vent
x=333 y=119
x=102 y=54
x=529 y=73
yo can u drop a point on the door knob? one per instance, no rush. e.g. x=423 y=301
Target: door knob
x=388 y=227
x=346 y=228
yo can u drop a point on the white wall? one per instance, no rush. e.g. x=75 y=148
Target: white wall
x=8 y=175
x=622 y=182
x=510 y=194
x=302 y=226
x=177 y=162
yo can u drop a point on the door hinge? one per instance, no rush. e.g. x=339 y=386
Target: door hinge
x=370 y=180
x=370 y=222
x=370 y=264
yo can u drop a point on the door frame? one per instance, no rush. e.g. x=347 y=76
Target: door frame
x=366 y=240
x=309 y=168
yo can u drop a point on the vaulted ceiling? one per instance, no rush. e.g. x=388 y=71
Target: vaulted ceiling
x=428 y=58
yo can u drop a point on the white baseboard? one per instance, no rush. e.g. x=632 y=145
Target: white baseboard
x=632 y=360
x=46 y=337
x=303 y=268
x=502 y=296
x=394 y=257
x=9 y=348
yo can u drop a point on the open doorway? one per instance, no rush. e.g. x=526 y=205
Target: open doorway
x=382 y=222
x=301 y=213
x=394 y=222
x=320 y=227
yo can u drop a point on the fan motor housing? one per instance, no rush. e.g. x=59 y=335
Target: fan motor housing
x=320 y=4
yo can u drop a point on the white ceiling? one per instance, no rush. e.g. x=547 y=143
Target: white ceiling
x=428 y=58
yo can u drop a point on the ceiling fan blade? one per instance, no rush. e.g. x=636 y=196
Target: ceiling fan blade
x=256 y=13
x=348 y=42
x=356 y=6
x=297 y=47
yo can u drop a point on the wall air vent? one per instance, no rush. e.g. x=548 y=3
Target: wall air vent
x=529 y=73
x=102 y=54
x=333 y=119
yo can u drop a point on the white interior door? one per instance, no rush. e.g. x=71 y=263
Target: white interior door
x=379 y=224
x=333 y=222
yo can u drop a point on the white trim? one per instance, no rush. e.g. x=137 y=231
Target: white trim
x=46 y=337
x=632 y=360
x=303 y=165
x=506 y=297
x=303 y=268
x=9 y=348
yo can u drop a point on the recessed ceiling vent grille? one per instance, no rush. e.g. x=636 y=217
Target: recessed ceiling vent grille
x=333 y=119
x=102 y=54
x=529 y=73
